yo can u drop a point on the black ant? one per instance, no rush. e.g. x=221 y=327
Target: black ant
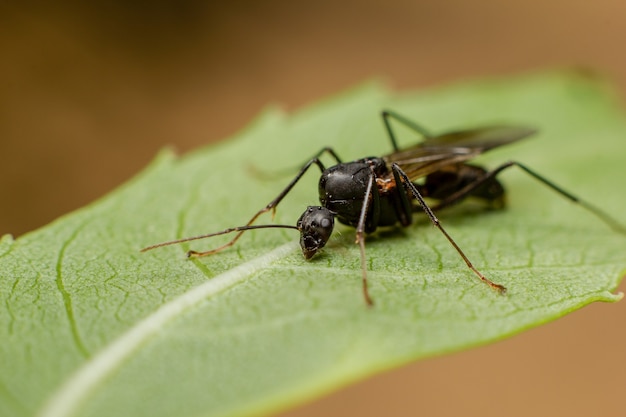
x=380 y=191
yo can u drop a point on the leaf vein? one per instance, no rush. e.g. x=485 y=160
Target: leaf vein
x=75 y=392
x=67 y=299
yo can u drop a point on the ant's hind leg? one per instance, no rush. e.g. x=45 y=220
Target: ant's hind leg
x=490 y=176
x=452 y=187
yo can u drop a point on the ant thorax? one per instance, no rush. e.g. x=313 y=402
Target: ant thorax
x=342 y=189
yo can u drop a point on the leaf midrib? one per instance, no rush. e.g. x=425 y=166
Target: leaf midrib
x=75 y=391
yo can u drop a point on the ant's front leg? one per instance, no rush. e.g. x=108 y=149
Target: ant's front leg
x=371 y=197
x=272 y=204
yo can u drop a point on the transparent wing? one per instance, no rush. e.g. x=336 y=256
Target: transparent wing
x=454 y=147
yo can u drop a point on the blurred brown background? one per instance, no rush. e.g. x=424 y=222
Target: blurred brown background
x=90 y=92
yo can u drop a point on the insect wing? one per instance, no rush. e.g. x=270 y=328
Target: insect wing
x=454 y=147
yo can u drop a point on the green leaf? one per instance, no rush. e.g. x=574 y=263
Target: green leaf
x=92 y=327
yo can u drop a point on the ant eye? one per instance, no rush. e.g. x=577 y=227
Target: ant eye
x=315 y=225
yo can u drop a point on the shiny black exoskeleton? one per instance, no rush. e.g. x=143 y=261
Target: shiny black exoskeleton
x=383 y=191
x=342 y=189
x=315 y=225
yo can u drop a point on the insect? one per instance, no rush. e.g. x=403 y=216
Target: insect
x=384 y=191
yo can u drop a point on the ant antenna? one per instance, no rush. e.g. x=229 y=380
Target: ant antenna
x=223 y=232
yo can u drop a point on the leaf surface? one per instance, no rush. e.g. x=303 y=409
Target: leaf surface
x=92 y=327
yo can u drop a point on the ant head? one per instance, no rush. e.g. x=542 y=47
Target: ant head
x=315 y=225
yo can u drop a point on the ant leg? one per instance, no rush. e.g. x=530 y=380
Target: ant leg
x=401 y=177
x=369 y=198
x=272 y=204
x=602 y=215
x=386 y=114
x=289 y=171
x=329 y=150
